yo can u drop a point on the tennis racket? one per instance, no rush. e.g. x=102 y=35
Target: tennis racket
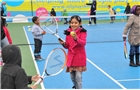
x=50 y=25
x=125 y=50
x=54 y=64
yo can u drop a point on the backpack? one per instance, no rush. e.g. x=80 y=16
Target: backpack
x=114 y=11
x=1 y=10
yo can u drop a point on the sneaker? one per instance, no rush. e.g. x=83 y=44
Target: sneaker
x=39 y=58
x=89 y=24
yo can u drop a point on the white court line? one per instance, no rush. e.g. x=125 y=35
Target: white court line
x=128 y=80
x=106 y=74
x=42 y=85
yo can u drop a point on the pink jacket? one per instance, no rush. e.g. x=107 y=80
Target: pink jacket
x=76 y=49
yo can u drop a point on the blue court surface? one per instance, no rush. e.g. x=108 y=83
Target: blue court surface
x=106 y=66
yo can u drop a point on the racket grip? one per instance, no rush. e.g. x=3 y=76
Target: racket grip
x=60 y=39
x=39 y=81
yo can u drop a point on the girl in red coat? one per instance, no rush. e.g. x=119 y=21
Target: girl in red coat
x=75 y=43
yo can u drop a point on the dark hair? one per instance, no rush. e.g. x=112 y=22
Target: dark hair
x=34 y=19
x=53 y=9
x=76 y=17
x=109 y=6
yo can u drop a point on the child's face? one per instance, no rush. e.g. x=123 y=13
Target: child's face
x=37 y=21
x=74 y=24
x=138 y=10
x=108 y=6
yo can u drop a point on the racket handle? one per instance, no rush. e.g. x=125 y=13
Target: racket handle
x=39 y=81
x=60 y=39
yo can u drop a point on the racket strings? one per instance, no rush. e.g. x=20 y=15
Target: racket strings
x=55 y=62
x=50 y=25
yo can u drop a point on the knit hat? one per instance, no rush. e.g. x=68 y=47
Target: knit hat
x=133 y=10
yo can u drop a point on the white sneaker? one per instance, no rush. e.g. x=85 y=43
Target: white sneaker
x=89 y=24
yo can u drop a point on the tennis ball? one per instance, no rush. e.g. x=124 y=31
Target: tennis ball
x=29 y=28
x=72 y=33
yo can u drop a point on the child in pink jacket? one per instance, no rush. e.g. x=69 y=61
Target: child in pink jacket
x=76 y=57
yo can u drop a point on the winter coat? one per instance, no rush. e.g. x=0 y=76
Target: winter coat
x=133 y=27
x=76 y=48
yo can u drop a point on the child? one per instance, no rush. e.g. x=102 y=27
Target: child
x=75 y=43
x=13 y=75
x=133 y=27
x=127 y=10
x=5 y=37
x=64 y=13
x=92 y=11
x=52 y=13
x=111 y=12
x=38 y=36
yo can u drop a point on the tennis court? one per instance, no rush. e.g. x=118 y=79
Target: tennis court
x=106 y=66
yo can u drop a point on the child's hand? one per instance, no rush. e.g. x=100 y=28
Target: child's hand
x=61 y=41
x=35 y=78
x=33 y=87
x=124 y=38
x=44 y=32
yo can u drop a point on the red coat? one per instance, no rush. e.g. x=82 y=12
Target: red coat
x=7 y=34
x=76 y=49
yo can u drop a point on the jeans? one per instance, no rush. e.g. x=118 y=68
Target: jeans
x=76 y=78
x=38 y=46
x=134 y=50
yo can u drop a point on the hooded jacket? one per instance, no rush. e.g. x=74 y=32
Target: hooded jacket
x=127 y=9
x=93 y=7
x=13 y=75
x=53 y=13
x=133 y=27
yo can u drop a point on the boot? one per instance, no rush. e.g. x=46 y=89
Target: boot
x=137 y=59
x=73 y=87
x=132 y=61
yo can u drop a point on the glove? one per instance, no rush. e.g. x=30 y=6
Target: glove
x=124 y=38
